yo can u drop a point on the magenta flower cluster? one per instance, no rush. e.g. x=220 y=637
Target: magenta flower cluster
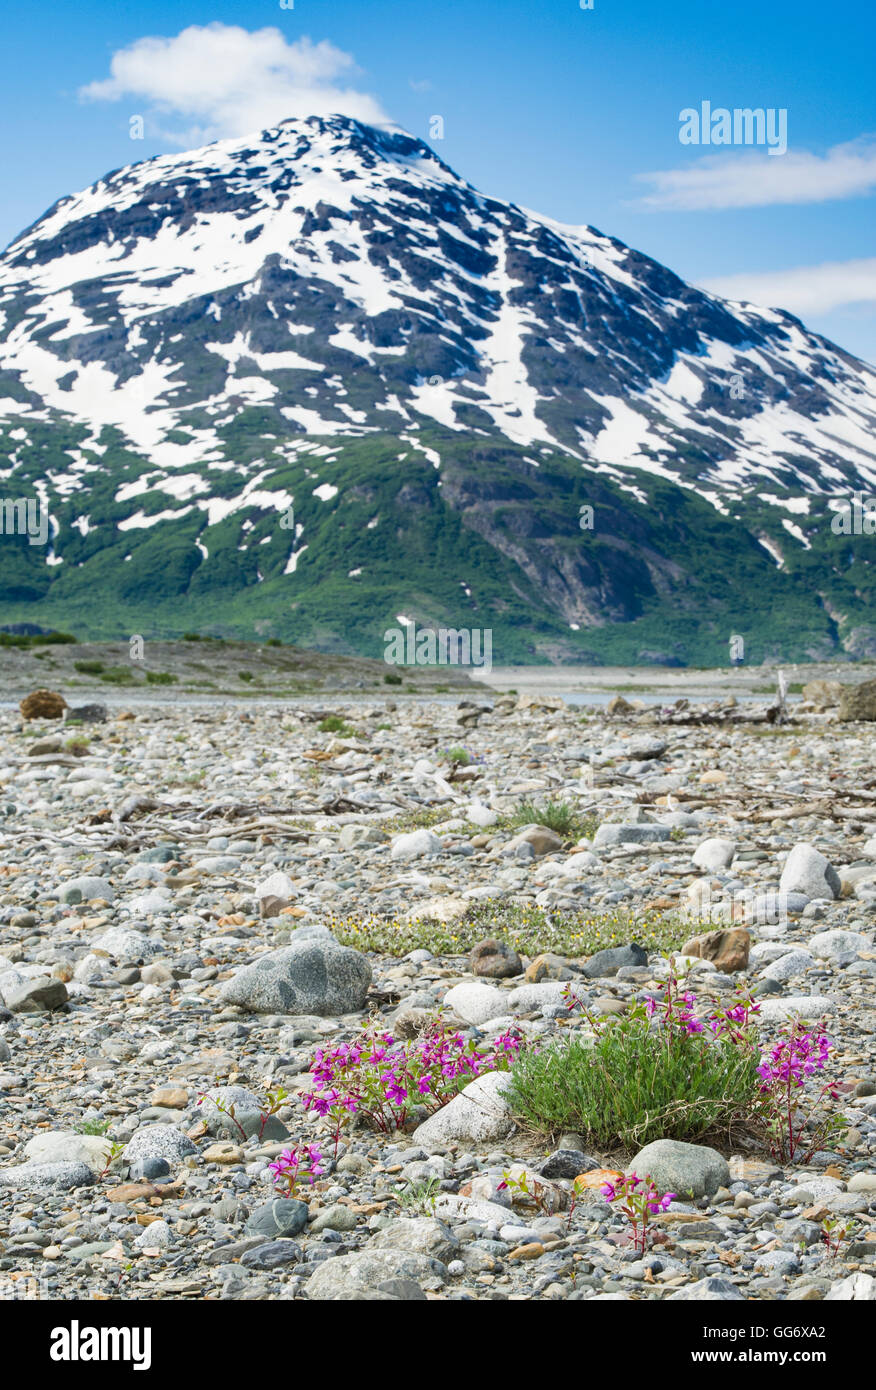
x=794 y=1057
x=303 y=1162
x=675 y=1012
x=783 y=1071
x=383 y=1079
x=639 y=1200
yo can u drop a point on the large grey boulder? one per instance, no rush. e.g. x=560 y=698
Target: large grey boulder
x=365 y=1271
x=82 y=890
x=710 y=1290
x=836 y=944
x=34 y=995
x=686 y=1169
x=158 y=1141
x=611 y=834
x=476 y=1116
x=476 y=1003
x=47 y=1177
x=278 y=1218
x=858 y=1288
x=65 y=1146
x=858 y=701
x=313 y=976
x=421 y=1235
x=808 y=871
x=607 y=963
x=715 y=853
x=126 y=944
x=415 y=845
x=807 y=1006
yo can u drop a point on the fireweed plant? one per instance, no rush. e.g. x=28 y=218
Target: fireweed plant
x=833 y=1233
x=384 y=1080
x=656 y=1072
x=783 y=1070
x=303 y=1163
x=664 y=1070
x=274 y=1101
x=638 y=1201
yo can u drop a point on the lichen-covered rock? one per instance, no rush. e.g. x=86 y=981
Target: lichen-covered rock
x=314 y=976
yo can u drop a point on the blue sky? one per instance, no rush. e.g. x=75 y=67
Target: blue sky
x=568 y=111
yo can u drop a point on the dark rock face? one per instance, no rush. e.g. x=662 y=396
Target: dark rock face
x=609 y=962
x=88 y=714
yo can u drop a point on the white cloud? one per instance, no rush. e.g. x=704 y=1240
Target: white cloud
x=225 y=81
x=805 y=290
x=755 y=180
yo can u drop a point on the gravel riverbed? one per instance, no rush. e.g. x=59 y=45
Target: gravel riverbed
x=155 y=867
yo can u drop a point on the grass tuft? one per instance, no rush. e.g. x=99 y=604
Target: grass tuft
x=630 y=1085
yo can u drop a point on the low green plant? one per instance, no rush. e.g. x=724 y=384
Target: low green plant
x=559 y=816
x=93 y=1127
x=118 y=675
x=419 y=1197
x=422 y=818
x=161 y=678
x=88 y=668
x=334 y=724
x=244 y=675
x=392 y=678
x=632 y=1080
x=530 y=930
x=458 y=756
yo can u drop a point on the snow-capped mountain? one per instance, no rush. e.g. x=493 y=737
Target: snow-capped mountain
x=199 y=340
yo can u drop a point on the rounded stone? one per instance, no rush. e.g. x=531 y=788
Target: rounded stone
x=314 y=976
x=282 y=1216
x=689 y=1170
x=159 y=1141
